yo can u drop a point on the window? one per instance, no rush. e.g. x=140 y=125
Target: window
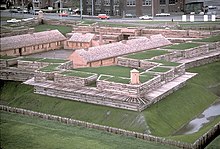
x=146 y=2
x=172 y=1
x=162 y=2
x=116 y=2
x=131 y=3
x=14 y=51
x=106 y=2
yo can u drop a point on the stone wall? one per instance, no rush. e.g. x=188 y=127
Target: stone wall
x=31 y=65
x=128 y=62
x=87 y=95
x=67 y=65
x=202 y=61
x=60 y=22
x=14 y=32
x=129 y=90
x=15 y=74
x=73 y=81
x=194 y=52
x=40 y=76
x=179 y=70
x=178 y=33
x=9 y=62
x=144 y=64
x=173 y=56
x=135 y=63
x=199 y=143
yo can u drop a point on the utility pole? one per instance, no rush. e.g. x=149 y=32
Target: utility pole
x=81 y=9
x=92 y=8
x=22 y=8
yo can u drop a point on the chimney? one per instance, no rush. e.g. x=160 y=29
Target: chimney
x=135 y=76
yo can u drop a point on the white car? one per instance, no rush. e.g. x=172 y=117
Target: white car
x=162 y=14
x=146 y=17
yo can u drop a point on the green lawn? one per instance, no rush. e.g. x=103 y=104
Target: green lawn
x=214 y=144
x=210 y=39
x=22 y=132
x=53 y=60
x=45 y=27
x=109 y=70
x=160 y=69
x=162 y=119
x=31 y=59
x=77 y=74
x=143 y=78
x=49 y=68
x=6 y=57
x=182 y=46
x=147 y=54
x=166 y=63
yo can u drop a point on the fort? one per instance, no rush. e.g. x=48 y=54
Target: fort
x=132 y=68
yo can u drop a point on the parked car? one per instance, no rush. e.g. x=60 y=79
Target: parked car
x=35 y=11
x=162 y=14
x=128 y=15
x=146 y=17
x=103 y=16
x=63 y=14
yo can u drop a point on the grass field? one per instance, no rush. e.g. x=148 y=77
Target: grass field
x=45 y=27
x=161 y=119
x=210 y=39
x=49 y=68
x=146 y=54
x=77 y=74
x=109 y=70
x=182 y=46
x=166 y=63
x=22 y=132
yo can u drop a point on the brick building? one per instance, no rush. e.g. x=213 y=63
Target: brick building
x=134 y=7
x=31 y=43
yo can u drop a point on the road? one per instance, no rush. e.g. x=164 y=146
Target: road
x=6 y=13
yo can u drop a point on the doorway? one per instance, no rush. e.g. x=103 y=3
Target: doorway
x=20 y=51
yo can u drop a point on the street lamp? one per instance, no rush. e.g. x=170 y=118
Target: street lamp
x=81 y=9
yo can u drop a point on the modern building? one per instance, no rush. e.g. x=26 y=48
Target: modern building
x=134 y=7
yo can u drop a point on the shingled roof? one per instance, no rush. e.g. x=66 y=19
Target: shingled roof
x=121 y=48
x=19 y=41
x=79 y=37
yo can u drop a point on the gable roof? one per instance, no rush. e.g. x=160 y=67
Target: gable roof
x=79 y=37
x=122 y=48
x=19 y=41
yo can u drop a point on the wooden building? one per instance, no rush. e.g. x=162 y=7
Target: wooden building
x=31 y=43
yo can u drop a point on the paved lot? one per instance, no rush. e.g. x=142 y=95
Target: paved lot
x=58 y=54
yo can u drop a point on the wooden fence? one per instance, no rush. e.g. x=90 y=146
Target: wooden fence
x=197 y=145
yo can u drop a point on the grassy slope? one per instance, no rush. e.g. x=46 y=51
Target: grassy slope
x=214 y=144
x=77 y=110
x=170 y=113
x=45 y=27
x=20 y=132
x=183 y=46
x=163 y=118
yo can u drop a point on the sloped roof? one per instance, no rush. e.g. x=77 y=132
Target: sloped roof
x=25 y=40
x=79 y=37
x=122 y=48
